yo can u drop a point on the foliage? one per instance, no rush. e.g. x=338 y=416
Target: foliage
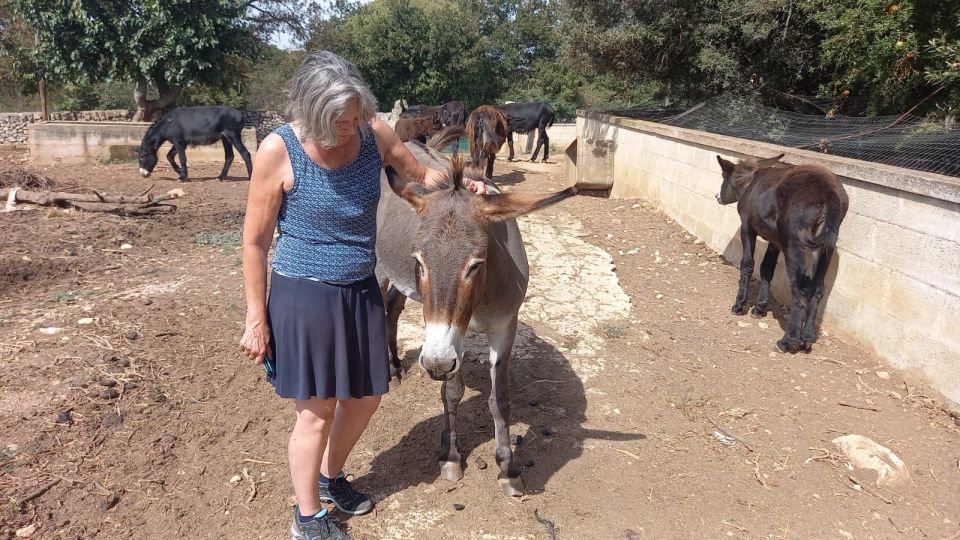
x=874 y=48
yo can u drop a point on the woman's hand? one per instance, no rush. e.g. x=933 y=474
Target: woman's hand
x=255 y=343
x=475 y=186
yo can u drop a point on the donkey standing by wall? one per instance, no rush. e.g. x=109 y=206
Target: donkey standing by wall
x=194 y=126
x=462 y=257
x=798 y=210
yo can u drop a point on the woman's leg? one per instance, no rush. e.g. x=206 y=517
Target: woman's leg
x=349 y=422
x=315 y=417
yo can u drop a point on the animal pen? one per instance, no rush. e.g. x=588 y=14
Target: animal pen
x=895 y=283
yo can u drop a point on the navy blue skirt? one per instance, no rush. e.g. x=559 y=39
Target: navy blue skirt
x=328 y=340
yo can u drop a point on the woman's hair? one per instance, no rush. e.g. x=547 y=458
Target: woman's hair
x=320 y=93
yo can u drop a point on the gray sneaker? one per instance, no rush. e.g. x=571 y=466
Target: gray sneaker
x=318 y=528
x=347 y=499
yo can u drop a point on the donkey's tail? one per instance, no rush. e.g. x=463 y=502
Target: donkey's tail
x=445 y=137
x=827 y=228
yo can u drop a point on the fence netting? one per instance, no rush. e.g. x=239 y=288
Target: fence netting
x=906 y=141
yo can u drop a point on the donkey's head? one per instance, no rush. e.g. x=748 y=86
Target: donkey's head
x=451 y=257
x=738 y=176
x=147 y=152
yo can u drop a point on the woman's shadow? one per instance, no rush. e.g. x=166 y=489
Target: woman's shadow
x=546 y=395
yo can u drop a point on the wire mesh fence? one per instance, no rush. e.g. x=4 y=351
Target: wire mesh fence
x=904 y=141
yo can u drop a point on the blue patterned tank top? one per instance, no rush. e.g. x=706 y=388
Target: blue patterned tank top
x=328 y=219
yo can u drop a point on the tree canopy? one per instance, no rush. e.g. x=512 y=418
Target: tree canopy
x=869 y=56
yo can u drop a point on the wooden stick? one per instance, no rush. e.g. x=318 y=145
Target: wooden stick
x=855 y=406
x=38 y=492
x=731 y=435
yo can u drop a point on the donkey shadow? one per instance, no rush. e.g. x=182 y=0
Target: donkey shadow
x=546 y=395
x=780 y=296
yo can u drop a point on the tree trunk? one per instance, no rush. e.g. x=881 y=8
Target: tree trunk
x=148 y=108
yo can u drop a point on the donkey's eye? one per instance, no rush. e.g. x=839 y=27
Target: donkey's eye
x=474 y=267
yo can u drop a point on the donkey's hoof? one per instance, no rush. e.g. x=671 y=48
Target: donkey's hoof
x=512 y=486
x=789 y=345
x=759 y=311
x=739 y=309
x=450 y=471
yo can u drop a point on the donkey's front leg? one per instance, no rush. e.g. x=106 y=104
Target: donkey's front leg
x=450 y=461
x=501 y=343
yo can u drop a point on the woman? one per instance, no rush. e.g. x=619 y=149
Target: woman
x=318 y=179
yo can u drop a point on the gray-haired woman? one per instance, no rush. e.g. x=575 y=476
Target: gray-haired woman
x=318 y=180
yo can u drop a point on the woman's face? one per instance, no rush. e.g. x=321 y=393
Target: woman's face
x=348 y=122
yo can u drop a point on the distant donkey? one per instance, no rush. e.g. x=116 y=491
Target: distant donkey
x=798 y=210
x=486 y=133
x=193 y=126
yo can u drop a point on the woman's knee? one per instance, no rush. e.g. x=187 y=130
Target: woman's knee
x=366 y=405
x=315 y=414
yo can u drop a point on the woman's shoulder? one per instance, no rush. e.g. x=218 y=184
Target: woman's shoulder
x=273 y=147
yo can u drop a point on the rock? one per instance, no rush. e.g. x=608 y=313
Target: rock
x=458 y=507
x=26 y=532
x=65 y=417
x=129 y=386
x=156 y=395
x=883 y=375
x=49 y=330
x=126 y=246
x=109 y=383
x=533 y=403
x=865 y=453
x=111 y=501
x=235 y=479
x=528 y=463
x=131 y=335
x=146 y=301
x=110 y=393
x=480 y=463
x=111 y=419
x=85 y=321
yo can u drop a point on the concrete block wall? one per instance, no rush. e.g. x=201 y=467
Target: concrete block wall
x=895 y=283
x=54 y=143
x=560 y=135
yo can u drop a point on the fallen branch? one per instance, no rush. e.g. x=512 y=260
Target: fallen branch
x=97 y=202
x=38 y=492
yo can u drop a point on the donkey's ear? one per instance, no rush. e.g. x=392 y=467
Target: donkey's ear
x=503 y=206
x=727 y=166
x=769 y=162
x=411 y=192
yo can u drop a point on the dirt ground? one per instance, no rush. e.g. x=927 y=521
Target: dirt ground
x=126 y=410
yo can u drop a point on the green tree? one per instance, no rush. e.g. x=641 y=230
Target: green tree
x=169 y=43
x=425 y=51
x=875 y=49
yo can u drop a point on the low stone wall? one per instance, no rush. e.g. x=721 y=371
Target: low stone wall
x=895 y=283
x=53 y=143
x=13 y=126
x=263 y=122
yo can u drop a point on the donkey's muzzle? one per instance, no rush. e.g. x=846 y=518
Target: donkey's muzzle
x=440 y=369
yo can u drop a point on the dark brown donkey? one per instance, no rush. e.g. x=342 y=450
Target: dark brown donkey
x=409 y=129
x=462 y=257
x=798 y=210
x=486 y=133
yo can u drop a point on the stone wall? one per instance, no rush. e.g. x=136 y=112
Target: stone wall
x=264 y=122
x=13 y=126
x=895 y=282
x=53 y=143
